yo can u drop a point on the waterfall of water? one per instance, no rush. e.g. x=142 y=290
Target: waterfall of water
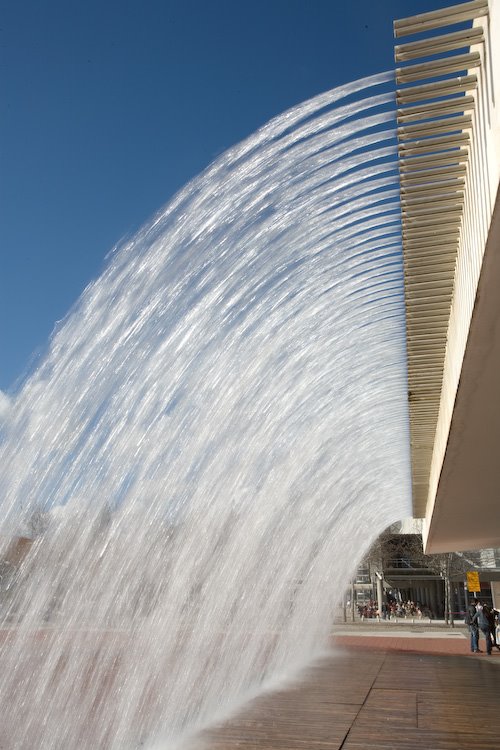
x=216 y=434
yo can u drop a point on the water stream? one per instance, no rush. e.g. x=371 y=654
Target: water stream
x=217 y=432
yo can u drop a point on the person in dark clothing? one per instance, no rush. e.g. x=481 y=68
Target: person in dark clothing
x=471 y=622
x=484 y=626
x=491 y=617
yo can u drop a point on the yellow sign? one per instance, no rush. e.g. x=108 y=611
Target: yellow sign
x=473 y=581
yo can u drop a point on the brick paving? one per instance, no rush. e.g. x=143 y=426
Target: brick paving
x=427 y=645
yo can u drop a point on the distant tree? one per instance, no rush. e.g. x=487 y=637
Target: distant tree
x=393 y=549
x=37 y=523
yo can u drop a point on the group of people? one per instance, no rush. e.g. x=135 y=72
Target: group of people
x=407 y=609
x=368 y=610
x=393 y=610
x=480 y=617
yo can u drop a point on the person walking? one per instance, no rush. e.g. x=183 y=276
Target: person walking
x=484 y=625
x=491 y=617
x=471 y=622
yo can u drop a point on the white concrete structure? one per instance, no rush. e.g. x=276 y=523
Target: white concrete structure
x=449 y=136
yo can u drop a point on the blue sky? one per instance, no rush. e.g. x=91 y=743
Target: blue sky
x=108 y=108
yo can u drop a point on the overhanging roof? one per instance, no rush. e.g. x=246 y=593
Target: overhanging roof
x=434 y=123
x=449 y=171
x=466 y=510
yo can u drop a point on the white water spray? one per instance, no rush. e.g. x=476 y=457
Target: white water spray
x=215 y=436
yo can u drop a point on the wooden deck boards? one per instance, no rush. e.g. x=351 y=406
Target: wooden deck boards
x=359 y=700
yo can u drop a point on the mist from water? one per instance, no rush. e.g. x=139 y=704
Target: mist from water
x=216 y=434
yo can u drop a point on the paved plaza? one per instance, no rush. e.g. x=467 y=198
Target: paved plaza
x=385 y=687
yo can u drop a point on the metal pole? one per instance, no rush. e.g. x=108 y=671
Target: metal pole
x=380 y=595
